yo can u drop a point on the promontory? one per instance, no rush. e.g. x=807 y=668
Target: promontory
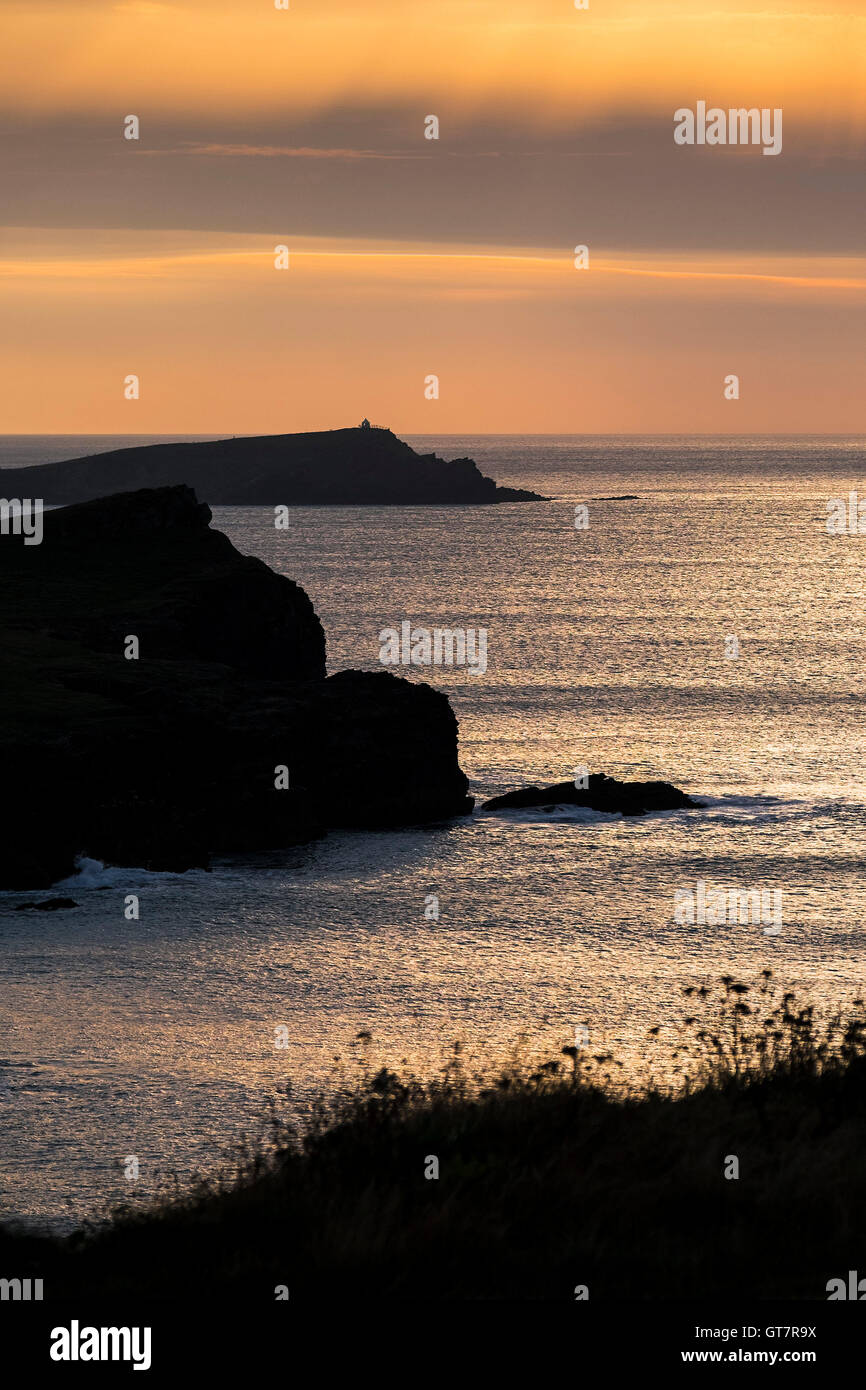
x=350 y=467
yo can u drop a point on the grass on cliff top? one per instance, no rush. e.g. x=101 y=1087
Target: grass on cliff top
x=549 y=1178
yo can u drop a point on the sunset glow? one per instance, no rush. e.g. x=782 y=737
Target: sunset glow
x=305 y=128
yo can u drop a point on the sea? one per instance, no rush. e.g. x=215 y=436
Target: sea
x=697 y=623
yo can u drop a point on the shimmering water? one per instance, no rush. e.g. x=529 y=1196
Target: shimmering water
x=606 y=647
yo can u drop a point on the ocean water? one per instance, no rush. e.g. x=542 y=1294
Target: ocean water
x=606 y=648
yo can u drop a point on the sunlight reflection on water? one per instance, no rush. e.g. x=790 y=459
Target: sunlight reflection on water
x=605 y=647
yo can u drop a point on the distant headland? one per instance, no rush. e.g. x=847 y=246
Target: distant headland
x=366 y=466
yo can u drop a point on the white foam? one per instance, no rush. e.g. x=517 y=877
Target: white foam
x=552 y=812
x=92 y=873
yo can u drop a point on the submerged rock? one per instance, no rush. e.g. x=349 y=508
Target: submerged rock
x=602 y=794
x=48 y=905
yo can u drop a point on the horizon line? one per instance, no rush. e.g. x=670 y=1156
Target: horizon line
x=444 y=434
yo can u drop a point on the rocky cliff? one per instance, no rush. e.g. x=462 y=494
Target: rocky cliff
x=164 y=760
x=347 y=467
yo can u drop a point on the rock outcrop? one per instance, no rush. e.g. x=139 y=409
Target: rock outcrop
x=345 y=467
x=369 y=731
x=148 y=563
x=602 y=794
x=162 y=761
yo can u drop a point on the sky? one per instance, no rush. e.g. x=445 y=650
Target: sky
x=410 y=257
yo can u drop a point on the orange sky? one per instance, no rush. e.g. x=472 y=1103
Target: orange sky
x=410 y=257
x=540 y=54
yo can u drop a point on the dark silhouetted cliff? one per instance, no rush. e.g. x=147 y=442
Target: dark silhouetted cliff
x=348 y=467
x=162 y=761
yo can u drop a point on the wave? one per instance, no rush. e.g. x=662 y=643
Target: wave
x=764 y=810
x=92 y=873
x=740 y=811
x=555 y=813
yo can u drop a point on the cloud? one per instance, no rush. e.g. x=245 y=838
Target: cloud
x=34 y=256
x=610 y=185
x=282 y=152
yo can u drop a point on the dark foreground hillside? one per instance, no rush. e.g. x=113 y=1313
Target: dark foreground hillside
x=548 y=1181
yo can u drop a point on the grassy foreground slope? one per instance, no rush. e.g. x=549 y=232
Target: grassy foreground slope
x=548 y=1180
